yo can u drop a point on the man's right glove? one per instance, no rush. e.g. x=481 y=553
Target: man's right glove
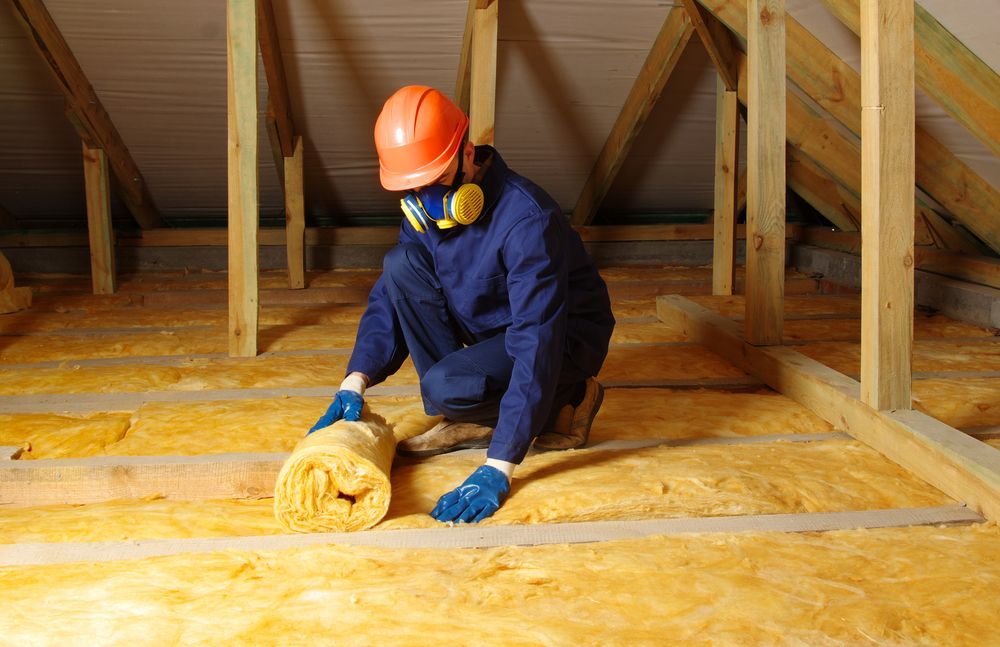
x=347 y=403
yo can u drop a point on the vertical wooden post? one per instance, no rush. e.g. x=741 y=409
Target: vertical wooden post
x=482 y=103
x=102 y=236
x=887 y=180
x=765 y=268
x=241 y=42
x=295 y=218
x=727 y=128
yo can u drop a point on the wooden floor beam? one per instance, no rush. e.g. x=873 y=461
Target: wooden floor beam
x=955 y=463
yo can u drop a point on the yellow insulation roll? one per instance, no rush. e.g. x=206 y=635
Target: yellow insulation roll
x=337 y=478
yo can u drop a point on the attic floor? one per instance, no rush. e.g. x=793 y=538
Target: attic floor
x=166 y=333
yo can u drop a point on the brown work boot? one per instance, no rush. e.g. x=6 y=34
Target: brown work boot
x=572 y=426
x=446 y=436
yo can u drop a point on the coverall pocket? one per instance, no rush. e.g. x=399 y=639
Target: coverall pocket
x=487 y=303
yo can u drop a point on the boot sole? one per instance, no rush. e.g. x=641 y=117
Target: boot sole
x=424 y=453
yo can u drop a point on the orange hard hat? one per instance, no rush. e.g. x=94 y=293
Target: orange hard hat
x=417 y=135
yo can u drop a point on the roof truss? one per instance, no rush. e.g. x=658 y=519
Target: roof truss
x=85 y=110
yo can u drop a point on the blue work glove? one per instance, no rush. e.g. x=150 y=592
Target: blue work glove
x=346 y=404
x=478 y=497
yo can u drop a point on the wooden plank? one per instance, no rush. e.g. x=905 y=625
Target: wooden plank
x=85 y=110
x=765 y=265
x=887 y=167
x=482 y=105
x=295 y=218
x=727 y=131
x=241 y=40
x=718 y=42
x=653 y=76
x=108 y=478
x=836 y=86
x=983 y=270
x=966 y=87
x=948 y=459
x=101 y=235
x=274 y=70
x=478 y=536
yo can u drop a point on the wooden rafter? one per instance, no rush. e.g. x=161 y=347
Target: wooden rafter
x=482 y=101
x=966 y=87
x=814 y=185
x=887 y=168
x=463 y=74
x=718 y=42
x=836 y=86
x=295 y=218
x=660 y=63
x=950 y=460
x=241 y=67
x=85 y=110
x=279 y=104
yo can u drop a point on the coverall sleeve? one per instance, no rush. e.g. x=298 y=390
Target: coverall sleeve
x=537 y=284
x=379 y=348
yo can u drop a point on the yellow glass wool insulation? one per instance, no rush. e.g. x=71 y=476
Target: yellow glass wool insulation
x=337 y=478
x=303 y=315
x=700 y=413
x=960 y=402
x=934 y=327
x=927 y=356
x=579 y=485
x=734 y=306
x=622 y=364
x=52 y=435
x=187 y=375
x=896 y=586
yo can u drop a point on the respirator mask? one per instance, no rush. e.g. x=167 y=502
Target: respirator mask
x=443 y=205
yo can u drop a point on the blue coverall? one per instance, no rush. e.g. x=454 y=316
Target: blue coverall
x=504 y=318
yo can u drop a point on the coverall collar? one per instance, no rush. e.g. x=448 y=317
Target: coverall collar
x=491 y=176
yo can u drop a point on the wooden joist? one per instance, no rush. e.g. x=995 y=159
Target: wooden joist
x=241 y=41
x=85 y=110
x=482 y=101
x=887 y=163
x=765 y=100
x=836 y=86
x=718 y=42
x=727 y=130
x=476 y=536
x=656 y=70
x=955 y=463
x=101 y=234
x=966 y=87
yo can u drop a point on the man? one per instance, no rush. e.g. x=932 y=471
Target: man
x=492 y=294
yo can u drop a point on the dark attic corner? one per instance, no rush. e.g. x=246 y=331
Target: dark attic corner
x=499 y=322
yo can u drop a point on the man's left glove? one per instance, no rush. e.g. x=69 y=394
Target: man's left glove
x=347 y=403
x=478 y=497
